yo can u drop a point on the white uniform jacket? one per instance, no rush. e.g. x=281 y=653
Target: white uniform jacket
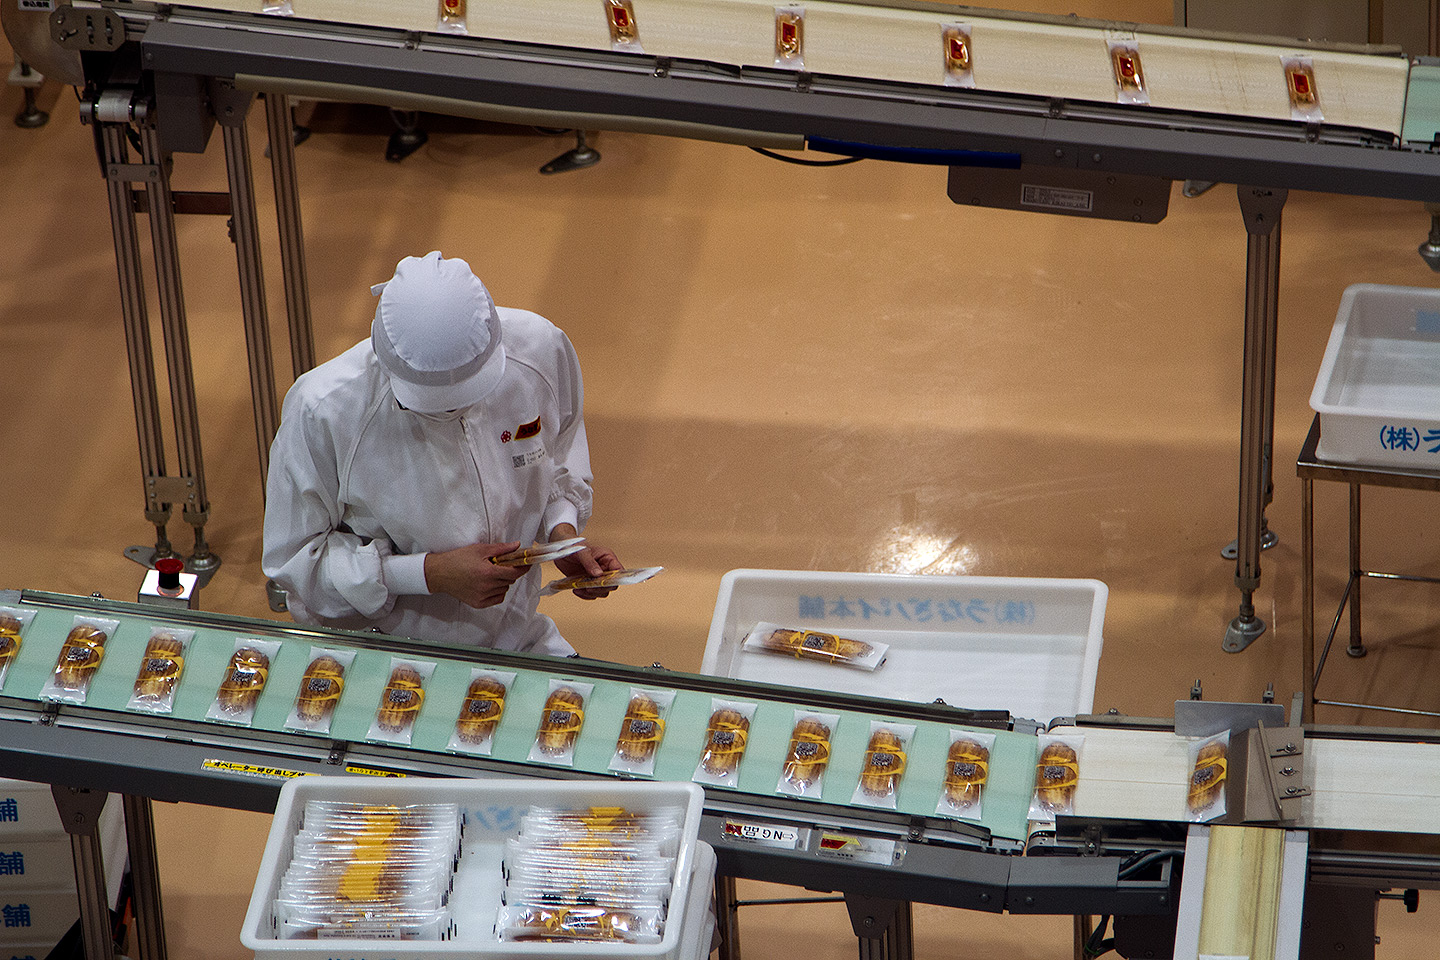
x=361 y=488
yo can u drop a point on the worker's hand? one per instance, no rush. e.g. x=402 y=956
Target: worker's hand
x=468 y=575
x=590 y=562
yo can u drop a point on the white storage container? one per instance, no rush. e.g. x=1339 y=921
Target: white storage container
x=28 y=809
x=493 y=809
x=1029 y=646
x=1378 y=390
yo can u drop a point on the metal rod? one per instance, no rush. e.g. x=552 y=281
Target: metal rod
x=780 y=900
x=177 y=338
x=139 y=352
x=1372 y=706
x=726 y=904
x=252 y=289
x=292 y=241
x=1408 y=577
x=1334 y=626
x=1357 y=642
x=1307 y=598
x=145 y=878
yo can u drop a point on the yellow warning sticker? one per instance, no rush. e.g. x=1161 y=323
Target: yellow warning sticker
x=371 y=771
x=253 y=770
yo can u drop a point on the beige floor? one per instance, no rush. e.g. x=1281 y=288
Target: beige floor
x=832 y=369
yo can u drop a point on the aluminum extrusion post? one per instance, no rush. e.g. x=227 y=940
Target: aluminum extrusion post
x=145 y=878
x=1307 y=599
x=727 y=915
x=80 y=813
x=196 y=509
x=1261 y=208
x=232 y=107
x=292 y=240
x=138 y=349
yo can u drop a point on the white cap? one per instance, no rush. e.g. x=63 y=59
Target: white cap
x=437 y=334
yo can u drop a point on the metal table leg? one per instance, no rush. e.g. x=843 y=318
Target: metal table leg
x=292 y=241
x=1261 y=209
x=1357 y=574
x=1307 y=599
x=80 y=813
x=145 y=878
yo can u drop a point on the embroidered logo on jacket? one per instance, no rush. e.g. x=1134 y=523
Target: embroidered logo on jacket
x=523 y=432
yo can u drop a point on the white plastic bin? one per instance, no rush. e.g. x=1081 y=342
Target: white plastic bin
x=493 y=809
x=1029 y=646
x=1378 y=390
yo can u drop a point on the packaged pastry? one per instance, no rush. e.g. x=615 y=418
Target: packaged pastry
x=560 y=722
x=481 y=710
x=641 y=730
x=160 y=668
x=958 y=55
x=1125 y=65
x=815 y=645
x=244 y=681
x=726 y=736
x=577 y=923
x=80 y=656
x=808 y=754
x=13 y=622
x=610 y=578
x=624 y=31
x=452 y=17
x=886 y=757
x=401 y=700
x=967 y=769
x=1057 y=774
x=321 y=685
x=1209 y=763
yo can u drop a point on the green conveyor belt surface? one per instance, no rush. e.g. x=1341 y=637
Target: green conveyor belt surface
x=1007 y=794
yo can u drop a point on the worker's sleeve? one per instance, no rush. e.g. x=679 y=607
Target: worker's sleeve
x=570 y=496
x=328 y=572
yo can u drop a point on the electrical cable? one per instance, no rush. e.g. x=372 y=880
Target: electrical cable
x=840 y=162
x=1136 y=864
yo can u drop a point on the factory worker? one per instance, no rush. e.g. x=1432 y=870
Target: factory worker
x=451 y=435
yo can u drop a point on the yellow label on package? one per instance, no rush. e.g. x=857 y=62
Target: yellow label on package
x=845 y=846
x=253 y=770
x=371 y=771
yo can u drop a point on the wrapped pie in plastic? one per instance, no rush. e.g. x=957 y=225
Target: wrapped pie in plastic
x=641 y=730
x=1209 y=760
x=160 y=668
x=808 y=755
x=547 y=924
x=726 y=736
x=244 y=681
x=886 y=757
x=815 y=645
x=560 y=722
x=401 y=700
x=1057 y=774
x=13 y=622
x=320 y=689
x=967 y=769
x=80 y=656
x=481 y=710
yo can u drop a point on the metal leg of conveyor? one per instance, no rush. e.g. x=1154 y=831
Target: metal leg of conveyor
x=177 y=350
x=292 y=241
x=727 y=915
x=1261 y=208
x=1307 y=599
x=883 y=927
x=80 y=813
x=145 y=878
x=138 y=350
x=246 y=233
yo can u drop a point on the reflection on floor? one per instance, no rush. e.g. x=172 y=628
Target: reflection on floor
x=830 y=369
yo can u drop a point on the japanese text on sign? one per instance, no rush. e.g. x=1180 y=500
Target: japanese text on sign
x=766 y=834
x=1403 y=438
x=918 y=610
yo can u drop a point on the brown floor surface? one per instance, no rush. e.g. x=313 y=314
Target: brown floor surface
x=828 y=369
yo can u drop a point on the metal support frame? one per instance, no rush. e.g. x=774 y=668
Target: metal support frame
x=145 y=878
x=1261 y=208
x=80 y=813
x=885 y=927
x=280 y=127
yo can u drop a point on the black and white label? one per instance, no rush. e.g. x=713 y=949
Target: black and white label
x=764 y=834
x=1056 y=198
x=37 y=4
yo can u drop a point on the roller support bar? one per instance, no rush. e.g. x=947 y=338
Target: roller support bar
x=885 y=115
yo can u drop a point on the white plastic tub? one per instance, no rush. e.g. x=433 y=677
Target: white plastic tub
x=1029 y=646
x=1378 y=390
x=493 y=809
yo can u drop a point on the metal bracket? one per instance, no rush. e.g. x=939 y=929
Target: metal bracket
x=97 y=29
x=230 y=104
x=1261 y=208
x=171 y=489
x=870 y=916
x=79 y=808
x=337 y=752
x=133 y=172
x=1265 y=782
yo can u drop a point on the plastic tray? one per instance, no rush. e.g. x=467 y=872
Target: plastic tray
x=1028 y=646
x=493 y=809
x=1378 y=390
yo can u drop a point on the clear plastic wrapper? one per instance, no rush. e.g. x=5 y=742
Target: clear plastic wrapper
x=401 y=700
x=278 y=8
x=1057 y=774
x=815 y=645
x=13 y=622
x=624 y=30
x=551 y=924
x=1304 y=95
x=641 y=731
x=967 y=769
x=610 y=578
x=886 y=757
x=161 y=666
x=726 y=736
x=808 y=755
x=790 y=37
x=1209 y=769
x=481 y=711
x=79 y=658
x=540 y=553
x=560 y=723
x=620 y=830
x=452 y=18
x=244 y=681
x=1125 y=64
x=320 y=688
x=958 y=54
